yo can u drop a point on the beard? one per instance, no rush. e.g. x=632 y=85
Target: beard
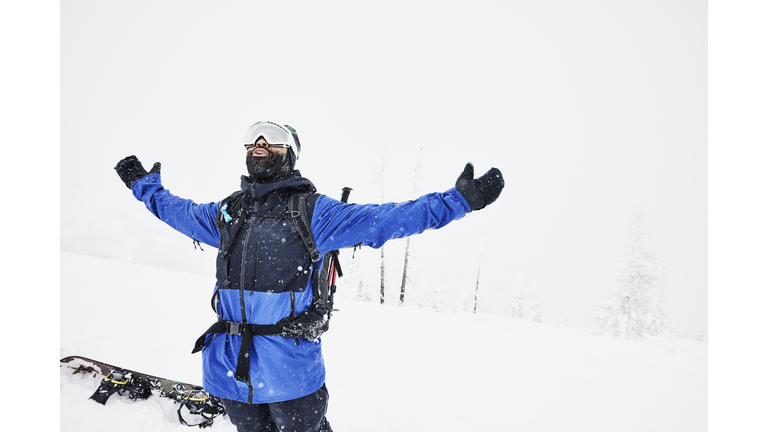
x=261 y=169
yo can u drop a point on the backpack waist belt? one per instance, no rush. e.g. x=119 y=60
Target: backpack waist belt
x=308 y=325
x=247 y=331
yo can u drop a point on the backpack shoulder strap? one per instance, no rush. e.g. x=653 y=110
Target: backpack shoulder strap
x=297 y=207
x=229 y=206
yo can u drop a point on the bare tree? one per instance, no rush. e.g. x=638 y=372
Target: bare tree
x=416 y=177
x=380 y=179
x=383 y=274
x=405 y=271
x=477 y=284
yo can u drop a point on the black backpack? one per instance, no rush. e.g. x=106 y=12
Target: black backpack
x=308 y=325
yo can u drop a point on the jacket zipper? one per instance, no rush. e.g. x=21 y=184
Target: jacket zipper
x=242 y=270
x=242 y=294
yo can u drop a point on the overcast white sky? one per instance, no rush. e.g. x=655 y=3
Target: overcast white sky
x=588 y=108
x=106 y=108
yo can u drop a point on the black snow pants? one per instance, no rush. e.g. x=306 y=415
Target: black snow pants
x=305 y=414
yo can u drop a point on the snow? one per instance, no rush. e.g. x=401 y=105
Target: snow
x=390 y=368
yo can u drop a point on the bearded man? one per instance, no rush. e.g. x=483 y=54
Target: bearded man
x=263 y=356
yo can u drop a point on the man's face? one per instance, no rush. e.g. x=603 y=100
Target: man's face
x=264 y=161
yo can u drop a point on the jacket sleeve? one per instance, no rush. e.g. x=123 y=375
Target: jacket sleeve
x=193 y=220
x=336 y=225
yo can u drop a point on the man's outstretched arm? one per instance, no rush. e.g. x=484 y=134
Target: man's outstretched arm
x=194 y=220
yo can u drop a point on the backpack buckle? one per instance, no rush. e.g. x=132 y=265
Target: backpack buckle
x=235 y=328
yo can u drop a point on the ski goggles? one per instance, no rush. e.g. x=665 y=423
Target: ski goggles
x=275 y=135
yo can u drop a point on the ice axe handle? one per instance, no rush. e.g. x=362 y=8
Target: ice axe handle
x=345 y=194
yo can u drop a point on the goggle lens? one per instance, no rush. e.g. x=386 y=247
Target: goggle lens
x=251 y=145
x=273 y=133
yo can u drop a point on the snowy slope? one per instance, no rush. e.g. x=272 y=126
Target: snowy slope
x=389 y=368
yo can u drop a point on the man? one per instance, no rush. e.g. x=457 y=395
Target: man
x=270 y=373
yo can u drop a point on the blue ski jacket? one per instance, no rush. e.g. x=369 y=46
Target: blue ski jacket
x=280 y=368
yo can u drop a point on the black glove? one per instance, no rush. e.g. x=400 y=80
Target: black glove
x=481 y=191
x=130 y=170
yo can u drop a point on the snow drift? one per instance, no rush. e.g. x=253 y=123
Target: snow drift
x=389 y=367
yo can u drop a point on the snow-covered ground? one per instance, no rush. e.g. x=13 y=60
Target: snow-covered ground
x=390 y=368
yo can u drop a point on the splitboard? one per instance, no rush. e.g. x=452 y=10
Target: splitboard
x=199 y=407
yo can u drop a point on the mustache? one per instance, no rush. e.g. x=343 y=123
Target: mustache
x=255 y=159
x=269 y=150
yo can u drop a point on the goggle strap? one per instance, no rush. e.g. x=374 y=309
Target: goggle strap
x=296 y=139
